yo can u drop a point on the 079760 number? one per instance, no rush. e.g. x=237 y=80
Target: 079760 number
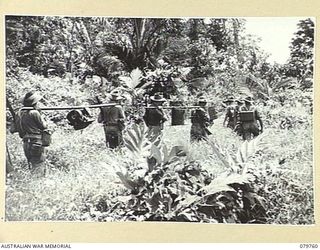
x=307 y=246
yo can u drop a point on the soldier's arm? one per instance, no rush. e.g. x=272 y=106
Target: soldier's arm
x=225 y=119
x=165 y=116
x=145 y=117
x=204 y=117
x=100 y=117
x=207 y=117
x=261 y=125
x=260 y=120
x=121 y=113
x=39 y=119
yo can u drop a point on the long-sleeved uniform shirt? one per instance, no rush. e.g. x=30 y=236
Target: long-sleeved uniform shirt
x=32 y=123
x=111 y=115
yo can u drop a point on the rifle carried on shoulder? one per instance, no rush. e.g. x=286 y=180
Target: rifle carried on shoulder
x=11 y=109
x=15 y=125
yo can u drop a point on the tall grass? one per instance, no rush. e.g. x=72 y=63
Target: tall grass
x=82 y=185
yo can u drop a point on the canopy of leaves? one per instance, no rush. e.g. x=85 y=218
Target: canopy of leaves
x=302 y=52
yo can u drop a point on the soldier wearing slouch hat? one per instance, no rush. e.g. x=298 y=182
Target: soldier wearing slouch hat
x=249 y=118
x=113 y=120
x=154 y=115
x=200 y=121
x=32 y=125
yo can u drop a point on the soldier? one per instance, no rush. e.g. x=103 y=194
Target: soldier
x=32 y=126
x=200 y=122
x=230 y=114
x=248 y=117
x=238 y=128
x=113 y=121
x=154 y=116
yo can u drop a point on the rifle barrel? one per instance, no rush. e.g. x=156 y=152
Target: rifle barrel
x=11 y=109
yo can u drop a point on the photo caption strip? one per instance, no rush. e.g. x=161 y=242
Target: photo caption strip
x=158 y=246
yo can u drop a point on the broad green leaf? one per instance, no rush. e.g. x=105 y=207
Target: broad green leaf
x=221 y=184
x=136 y=76
x=156 y=153
x=165 y=154
x=177 y=151
x=220 y=155
x=216 y=187
x=126 y=181
x=189 y=216
x=253 y=198
x=139 y=134
x=134 y=138
x=242 y=152
x=188 y=201
x=124 y=199
x=232 y=163
x=130 y=145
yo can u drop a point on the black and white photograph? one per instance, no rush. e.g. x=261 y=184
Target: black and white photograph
x=178 y=119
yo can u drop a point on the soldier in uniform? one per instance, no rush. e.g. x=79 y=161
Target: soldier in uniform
x=249 y=118
x=230 y=117
x=154 y=116
x=238 y=128
x=32 y=125
x=200 y=122
x=113 y=119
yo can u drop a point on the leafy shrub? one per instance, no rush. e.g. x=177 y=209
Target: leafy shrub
x=173 y=188
x=215 y=181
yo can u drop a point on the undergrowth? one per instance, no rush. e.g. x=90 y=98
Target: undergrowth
x=220 y=181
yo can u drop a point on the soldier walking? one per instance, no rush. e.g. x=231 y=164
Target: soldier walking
x=154 y=116
x=113 y=121
x=200 y=122
x=238 y=128
x=249 y=118
x=230 y=117
x=32 y=125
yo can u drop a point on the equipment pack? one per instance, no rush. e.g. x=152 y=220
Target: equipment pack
x=79 y=119
x=247 y=116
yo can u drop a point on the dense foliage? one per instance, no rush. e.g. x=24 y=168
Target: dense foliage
x=302 y=52
x=73 y=60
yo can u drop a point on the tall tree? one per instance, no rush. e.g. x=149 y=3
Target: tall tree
x=302 y=51
x=137 y=42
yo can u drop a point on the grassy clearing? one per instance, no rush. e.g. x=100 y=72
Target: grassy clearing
x=82 y=173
